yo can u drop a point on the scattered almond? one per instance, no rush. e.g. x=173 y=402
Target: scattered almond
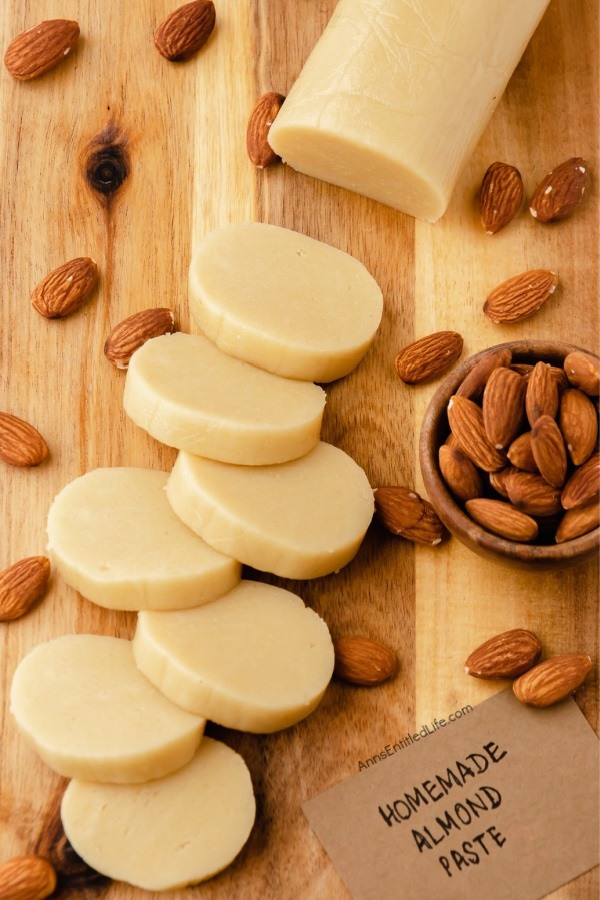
x=503 y=406
x=502 y=519
x=549 y=451
x=500 y=196
x=362 y=661
x=428 y=357
x=26 y=878
x=404 y=513
x=466 y=423
x=40 y=49
x=579 y=521
x=20 y=443
x=21 y=585
x=65 y=289
x=582 y=370
x=541 y=398
x=520 y=453
x=583 y=485
x=506 y=655
x=473 y=386
x=459 y=473
x=552 y=680
x=579 y=425
x=262 y=117
x=532 y=494
x=560 y=191
x=129 y=335
x=520 y=296
x=185 y=31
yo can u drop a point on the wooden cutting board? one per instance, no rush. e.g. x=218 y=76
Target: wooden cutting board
x=165 y=146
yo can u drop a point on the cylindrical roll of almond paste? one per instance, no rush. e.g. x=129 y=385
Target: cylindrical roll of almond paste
x=396 y=93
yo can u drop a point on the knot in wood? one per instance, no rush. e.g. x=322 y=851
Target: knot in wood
x=106 y=164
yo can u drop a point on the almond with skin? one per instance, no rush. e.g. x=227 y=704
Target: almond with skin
x=359 y=660
x=579 y=425
x=27 y=878
x=541 y=397
x=583 y=485
x=519 y=297
x=520 y=453
x=506 y=655
x=262 y=117
x=404 y=513
x=552 y=680
x=549 y=451
x=65 y=289
x=21 y=585
x=582 y=370
x=500 y=196
x=497 y=480
x=524 y=369
x=129 y=335
x=459 y=473
x=41 y=48
x=560 y=376
x=560 y=191
x=428 y=357
x=185 y=31
x=503 y=519
x=503 y=406
x=579 y=521
x=466 y=422
x=20 y=443
x=473 y=386
x=532 y=494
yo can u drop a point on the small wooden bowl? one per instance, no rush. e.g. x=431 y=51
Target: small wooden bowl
x=435 y=430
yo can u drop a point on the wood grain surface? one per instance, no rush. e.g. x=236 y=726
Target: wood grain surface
x=165 y=144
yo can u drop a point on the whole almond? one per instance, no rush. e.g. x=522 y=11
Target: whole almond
x=582 y=370
x=185 y=31
x=557 y=195
x=506 y=655
x=549 y=451
x=552 y=680
x=129 y=335
x=473 y=386
x=40 y=49
x=362 y=661
x=404 y=513
x=520 y=296
x=66 y=288
x=26 y=878
x=466 y=422
x=520 y=453
x=502 y=519
x=578 y=521
x=583 y=485
x=428 y=357
x=261 y=118
x=21 y=585
x=579 y=425
x=459 y=473
x=20 y=443
x=500 y=196
x=503 y=406
x=532 y=494
x=541 y=398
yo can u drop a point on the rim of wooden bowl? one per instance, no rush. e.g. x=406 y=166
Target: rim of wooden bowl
x=435 y=429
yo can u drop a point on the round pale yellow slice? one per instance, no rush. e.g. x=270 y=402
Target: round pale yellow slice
x=188 y=394
x=113 y=536
x=169 y=833
x=302 y=519
x=283 y=301
x=256 y=659
x=87 y=710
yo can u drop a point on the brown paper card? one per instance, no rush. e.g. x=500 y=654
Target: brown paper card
x=532 y=798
